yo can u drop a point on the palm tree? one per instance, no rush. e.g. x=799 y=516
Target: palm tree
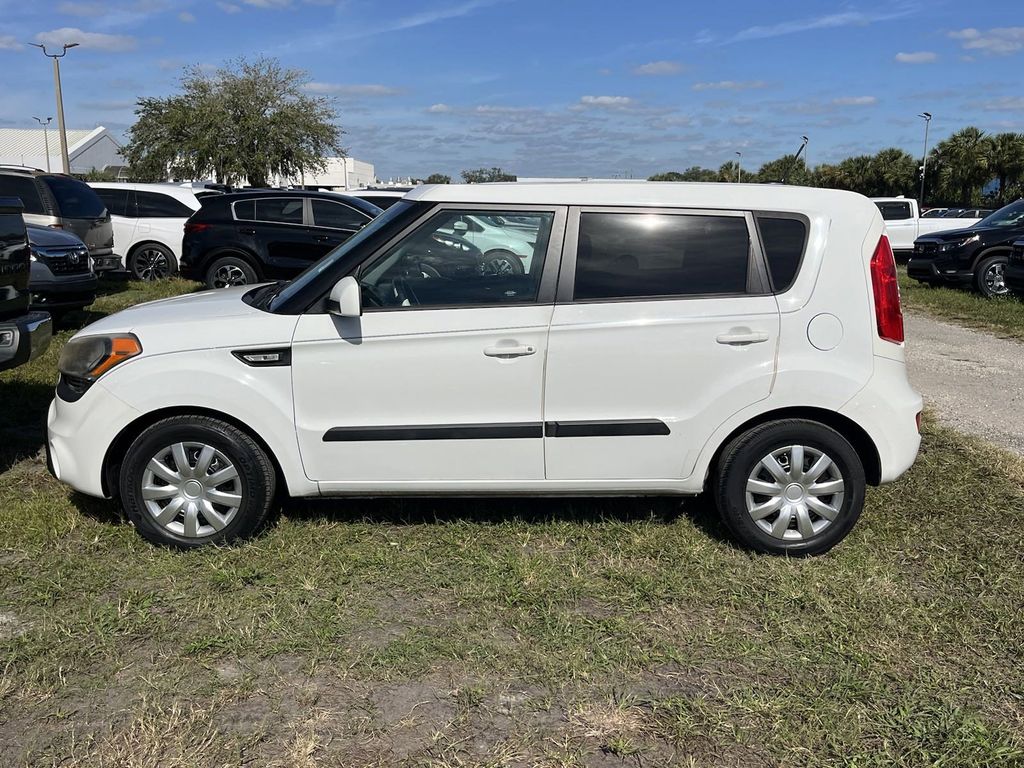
x=964 y=163
x=1007 y=160
x=894 y=172
x=859 y=173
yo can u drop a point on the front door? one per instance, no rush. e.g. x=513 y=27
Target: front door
x=441 y=379
x=664 y=328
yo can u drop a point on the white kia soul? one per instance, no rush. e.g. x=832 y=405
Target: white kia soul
x=743 y=340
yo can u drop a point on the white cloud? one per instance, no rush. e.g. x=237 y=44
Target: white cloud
x=606 y=102
x=830 y=21
x=439 y=109
x=1005 y=104
x=730 y=85
x=347 y=89
x=855 y=101
x=93 y=40
x=918 y=57
x=1000 y=41
x=229 y=7
x=659 y=68
x=81 y=9
x=9 y=43
x=186 y=17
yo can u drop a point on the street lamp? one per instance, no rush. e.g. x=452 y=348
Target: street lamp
x=46 y=138
x=60 y=100
x=927 y=117
x=739 y=166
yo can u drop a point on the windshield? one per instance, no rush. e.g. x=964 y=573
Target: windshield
x=1011 y=215
x=76 y=199
x=313 y=271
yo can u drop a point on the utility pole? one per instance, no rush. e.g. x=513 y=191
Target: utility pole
x=46 y=138
x=927 y=117
x=739 y=167
x=60 y=99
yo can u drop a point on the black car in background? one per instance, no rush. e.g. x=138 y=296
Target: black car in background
x=249 y=237
x=1015 y=269
x=24 y=335
x=975 y=255
x=61 y=278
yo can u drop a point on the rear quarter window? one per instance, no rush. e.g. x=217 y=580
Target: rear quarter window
x=784 y=241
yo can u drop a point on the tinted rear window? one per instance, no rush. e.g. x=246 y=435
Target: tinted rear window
x=76 y=199
x=894 y=211
x=155 y=205
x=24 y=188
x=784 y=241
x=633 y=255
x=116 y=200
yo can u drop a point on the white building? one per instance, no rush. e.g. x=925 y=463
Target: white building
x=88 y=149
x=340 y=173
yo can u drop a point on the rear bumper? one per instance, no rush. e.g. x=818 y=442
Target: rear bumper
x=110 y=262
x=24 y=338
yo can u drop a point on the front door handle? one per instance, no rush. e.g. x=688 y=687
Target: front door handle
x=518 y=350
x=740 y=338
x=246 y=231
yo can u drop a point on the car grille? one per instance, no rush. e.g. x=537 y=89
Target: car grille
x=64 y=261
x=1017 y=254
x=926 y=249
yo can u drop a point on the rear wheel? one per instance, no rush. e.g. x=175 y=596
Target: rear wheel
x=188 y=481
x=989 y=277
x=152 y=261
x=227 y=271
x=790 y=487
x=502 y=262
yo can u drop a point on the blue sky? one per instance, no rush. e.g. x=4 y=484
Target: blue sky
x=554 y=87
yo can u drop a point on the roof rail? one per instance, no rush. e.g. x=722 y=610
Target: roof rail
x=16 y=167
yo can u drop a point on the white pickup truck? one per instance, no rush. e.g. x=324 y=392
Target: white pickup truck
x=904 y=224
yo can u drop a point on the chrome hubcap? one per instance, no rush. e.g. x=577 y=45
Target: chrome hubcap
x=151 y=264
x=995 y=279
x=794 y=493
x=228 y=275
x=191 y=489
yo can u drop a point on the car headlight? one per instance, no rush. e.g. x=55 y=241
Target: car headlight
x=89 y=357
x=957 y=244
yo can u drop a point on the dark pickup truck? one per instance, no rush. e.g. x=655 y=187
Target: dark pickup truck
x=24 y=335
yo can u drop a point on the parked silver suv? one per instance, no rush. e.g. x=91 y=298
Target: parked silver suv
x=63 y=202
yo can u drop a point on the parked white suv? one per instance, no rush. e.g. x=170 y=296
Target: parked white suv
x=149 y=224
x=745 y=340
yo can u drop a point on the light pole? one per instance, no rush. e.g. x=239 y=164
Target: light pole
x=927 y=117
x=60 y=100
x=46 y=138
x=739 y=167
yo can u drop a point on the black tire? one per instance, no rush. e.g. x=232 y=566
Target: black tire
x=254 y=482
x=991 y=285
x=502 y=262
x=739 y=460
x=230 y=270
x=152 y=261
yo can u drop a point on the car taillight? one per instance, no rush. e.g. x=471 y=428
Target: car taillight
x=192 y=229
x=886 y=287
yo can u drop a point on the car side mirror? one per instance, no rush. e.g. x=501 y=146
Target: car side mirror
x=460 y=227
x=346 y=298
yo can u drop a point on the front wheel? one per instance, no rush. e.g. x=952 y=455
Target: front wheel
x=152 y=261
x=228 y=271
x=989 y=277
x=791 y=487
x=502 y=262
x=188 y=481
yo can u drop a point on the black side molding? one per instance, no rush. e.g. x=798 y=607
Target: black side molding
x=436 y=432
x=626 y=428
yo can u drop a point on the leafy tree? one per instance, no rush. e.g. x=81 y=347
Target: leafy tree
x=438 y=178
x=693 y=173
x=893 y=172
x=963 y=161
x=728 y=171
x=1006 y=159
x=485 y=175
x=786 y=168
x=247 y=120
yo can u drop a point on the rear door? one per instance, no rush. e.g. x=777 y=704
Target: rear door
x=278 y=226
x=161 y=219
x=664 y=327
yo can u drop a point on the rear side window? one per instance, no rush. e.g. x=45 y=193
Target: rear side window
x=23 y=187
x=155 y=205
x=894 y=211
x=784 y=241
x=636 y=255
x=280 y=210
x=76 y=199
x=116 y=201
x=327 y=213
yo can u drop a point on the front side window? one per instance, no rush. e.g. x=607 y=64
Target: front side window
x=439 y=265
x=637 y=255
x=894 y=211
x=155 y=205
x=327 y=213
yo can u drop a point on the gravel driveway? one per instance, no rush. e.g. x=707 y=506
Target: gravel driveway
x=972 y=380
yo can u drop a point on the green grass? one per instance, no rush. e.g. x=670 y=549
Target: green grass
x=510 y=632
x=1003 y=316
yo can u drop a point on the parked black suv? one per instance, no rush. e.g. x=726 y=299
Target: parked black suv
x=976 y=254
x=62 y=278
x=249 y=237
x=63 y=202
x=24 y=335
x=1015 y=269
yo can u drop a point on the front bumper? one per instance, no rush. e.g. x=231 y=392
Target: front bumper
x=24 y=338
x=937 y=270
x=1014 y=276
x=63 y=292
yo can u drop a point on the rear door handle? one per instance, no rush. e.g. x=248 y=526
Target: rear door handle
x=242 y=231
x=742 y=338
x=518 y=350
